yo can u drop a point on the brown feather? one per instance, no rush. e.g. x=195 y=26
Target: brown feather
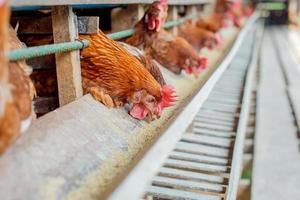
x=105 y=63
x=197 y=37
x=212 y=22
x=9 y=117
x=170 y=51
x=147 y=62
x=22 y=87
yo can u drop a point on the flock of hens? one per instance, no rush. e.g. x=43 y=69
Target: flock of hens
x=118 y=73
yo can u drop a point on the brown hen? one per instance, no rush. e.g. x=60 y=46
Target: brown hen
x=16 y=91
x=174 y=53
x=147 y=62
x=198 y=37
x=114 y=77
x=23 y=90
x=9 y=119
x=213 y=22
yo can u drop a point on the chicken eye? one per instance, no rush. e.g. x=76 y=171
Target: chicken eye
x=152 y=100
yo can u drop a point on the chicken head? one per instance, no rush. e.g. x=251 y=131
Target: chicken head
x=156 y=15
x=146 y=105
x=195 y=66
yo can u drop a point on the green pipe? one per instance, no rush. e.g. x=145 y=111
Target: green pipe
x=120 y=34
x=38 y=51
x=129 y=32
x=171 y=24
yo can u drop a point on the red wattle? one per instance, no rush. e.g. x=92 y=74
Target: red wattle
x=151 y=24
x=157 y=25
x=139 y=112
x=188 y=70
x=203 y=62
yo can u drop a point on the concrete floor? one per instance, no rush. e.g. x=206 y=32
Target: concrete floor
x=276 y=166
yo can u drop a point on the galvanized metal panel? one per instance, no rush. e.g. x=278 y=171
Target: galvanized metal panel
x=199 y=158
x=187 y=185
x=214 y=121
x=194 y=166
x=166 y=193
x=214 y=127
x=190 y=175
x=207 y=140
x=215 y=133
x=202 y=149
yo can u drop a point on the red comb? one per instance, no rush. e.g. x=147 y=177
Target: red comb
x=168 y=96
x=188 y=70
x=203 y=62
x=197 y=70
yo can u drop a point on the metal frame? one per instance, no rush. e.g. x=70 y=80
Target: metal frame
x=237 y=161
x=139 y=178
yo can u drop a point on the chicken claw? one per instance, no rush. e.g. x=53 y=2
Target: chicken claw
x=100 y=95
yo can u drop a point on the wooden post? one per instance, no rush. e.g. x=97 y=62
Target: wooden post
x=192 y=11
x=67 y=64
x=173 y=15
x=208 y=8
x=124 y=18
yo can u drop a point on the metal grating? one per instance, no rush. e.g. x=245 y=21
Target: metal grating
x=199 y=166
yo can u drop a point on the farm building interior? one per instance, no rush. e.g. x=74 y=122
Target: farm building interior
x=150 y=99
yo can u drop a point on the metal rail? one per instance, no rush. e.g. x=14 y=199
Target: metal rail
x=202 y=161
x=43 y=50
x=242 y=126
x=129 y=32
x=138 y=179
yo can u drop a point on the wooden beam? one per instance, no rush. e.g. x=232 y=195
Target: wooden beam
x=85 y=2
x=88 y=25
x=173 y=15
x=67 y=64
x=43 y=24
x=124 y=18
x=208 y=8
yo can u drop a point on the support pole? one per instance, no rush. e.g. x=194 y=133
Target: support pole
x=172 y=16
x=192 y=11
x=124 y=18
x=67 y=64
